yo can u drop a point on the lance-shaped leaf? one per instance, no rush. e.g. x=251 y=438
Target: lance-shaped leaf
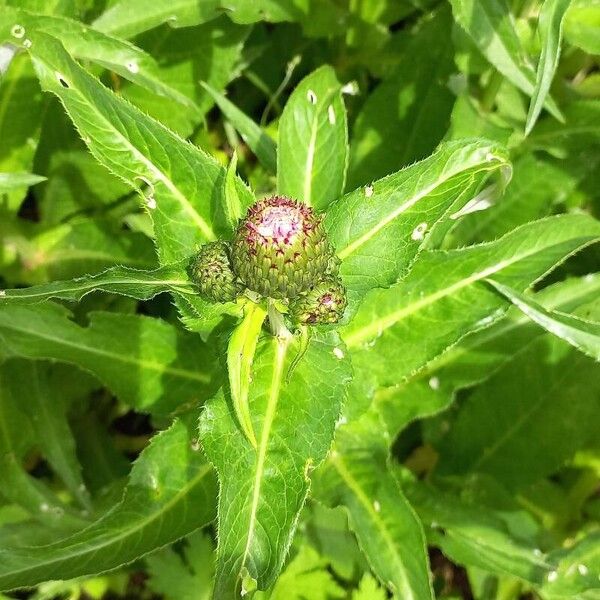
x=84 y=42
x=15 y=181
x=141 y=285
x=128 y=18
x=550 y=31
x=170 y=494
x=583 y=335
x=538 y=395
x=37 y=389
x=181 y=182
x=312 y=153
x=378 y=230
x=148 y=363
x=240 y=355
x=263 y=489
x=443 y=297
x=474 y=535
x=491 y=26
x=259 y=142
x=388 y=531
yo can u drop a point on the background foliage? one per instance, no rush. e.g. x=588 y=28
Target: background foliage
x=454 y=147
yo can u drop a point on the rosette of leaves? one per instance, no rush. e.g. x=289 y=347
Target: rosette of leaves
x=409 y=302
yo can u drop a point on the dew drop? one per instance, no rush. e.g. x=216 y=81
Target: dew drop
x=44 y=507
x=537 y=552
x=376 y=506
x=434 y=383
x=350 y=88
x=338 y=353
x=552 y=576
x=368 y=191
x=331 y=114
x=27 y=43
x=312 y=97
x=583 y=570
x=2 y=293
x=419 y=231
x=132 y=67
x=17 y=31
x=151 y=202
x=195 y=444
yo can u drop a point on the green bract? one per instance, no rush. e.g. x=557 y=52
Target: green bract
x=211 y=271
x=280 y=249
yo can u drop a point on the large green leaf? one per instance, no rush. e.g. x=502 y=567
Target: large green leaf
x=550 y=32
x=146 y=362
x=407 y=114
x=491 y=26
x=141 y=285
x=378 y=230
x=12 y=181
x=263 y=489
x=536 y=396
x=470 y=534
x=86 y=43
x=181 y=181
x=388 y=531
x=312 y=151
x=444 y=297
x=128 y=18
x=170 y=494
x=582 y=25
x=583 y=335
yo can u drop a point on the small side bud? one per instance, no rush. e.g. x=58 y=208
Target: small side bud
x=211 y=272
x=323 y=304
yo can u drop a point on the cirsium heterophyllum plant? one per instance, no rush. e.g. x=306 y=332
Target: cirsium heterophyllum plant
x=308 y=340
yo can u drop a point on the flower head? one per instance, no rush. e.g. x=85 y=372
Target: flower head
x=323 y=304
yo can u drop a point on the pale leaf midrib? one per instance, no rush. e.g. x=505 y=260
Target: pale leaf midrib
x=281 y=351
x=151 y=366
x=158 y=173
x=363 y=239
x=374 y=328
x=357 y=490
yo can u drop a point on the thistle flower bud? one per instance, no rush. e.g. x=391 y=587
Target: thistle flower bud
x=323 y=304
x=280 y=249
x=211 y=272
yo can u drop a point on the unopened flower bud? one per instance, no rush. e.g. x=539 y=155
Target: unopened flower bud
x=211 y=272
x=323 y=304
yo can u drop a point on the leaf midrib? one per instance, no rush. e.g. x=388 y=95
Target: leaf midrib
x=357 y=490
x=152 y=366
x=378 y=326
x=363 y=239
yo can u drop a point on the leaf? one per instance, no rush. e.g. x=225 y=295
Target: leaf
x=380 y=229
x=128 y=18
x=240 y=355
x=582 y=26
x=14 y=181
x=550 y=31
x=183 y=577
x=474 y=535
x=37 y=390
x=443 y=297
x=535 y=396
x=259 y=142
x=16 y=439
x=583 y=335
x=492 y=28
x=369 y=590
x=262 y=490
x=312 y=152
x=306 y=576
x=577 y=568
x=181 y=180
x=148 y=363
x=388 y=530
x=84 y=42
x=141 y=285
x=170 y=494
x=407 y=114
